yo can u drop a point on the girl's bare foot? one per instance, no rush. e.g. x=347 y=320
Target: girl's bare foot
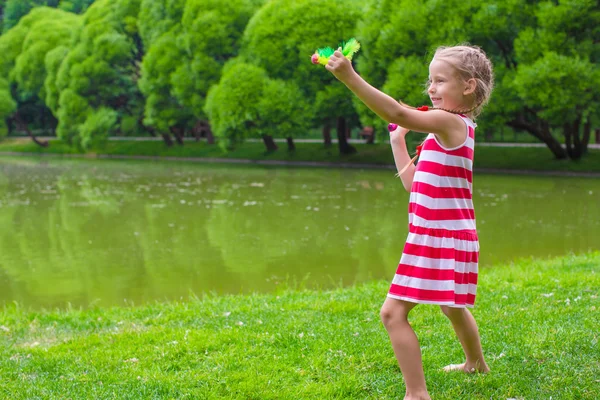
x=423 y=396
x=468 y=368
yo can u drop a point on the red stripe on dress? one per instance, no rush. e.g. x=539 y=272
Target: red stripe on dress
x=442 y=214
x=432 y=295
x=441 y=252
x=440 y=192
x=445 y=170
x=437 y=274
x=465 y=234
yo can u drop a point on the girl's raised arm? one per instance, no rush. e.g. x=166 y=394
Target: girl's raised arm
x=441 y=123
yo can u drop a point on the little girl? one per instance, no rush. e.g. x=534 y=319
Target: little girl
x=439 y=261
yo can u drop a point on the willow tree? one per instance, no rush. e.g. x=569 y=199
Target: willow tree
x=210 y=36
x=248 y=104
x=26 y=46
x=283 y=35
x=160 y=25
x=100 y=74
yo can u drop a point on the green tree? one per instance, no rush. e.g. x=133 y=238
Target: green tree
x=160 y=26
x=281 y=37
x=247 y=103
x=558 y=75
x=210 y=36
x=26 y=46
x=100 y=71
x=7 y=106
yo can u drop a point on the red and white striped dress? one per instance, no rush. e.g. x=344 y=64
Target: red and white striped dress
x=439 y=261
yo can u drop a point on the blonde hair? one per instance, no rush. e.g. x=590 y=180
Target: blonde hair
x=470 y=62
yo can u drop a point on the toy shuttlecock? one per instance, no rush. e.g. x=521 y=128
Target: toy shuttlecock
x=349 y=48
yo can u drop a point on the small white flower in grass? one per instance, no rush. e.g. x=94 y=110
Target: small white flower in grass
x=259 y=322
x=5 y=329
x=505 y=297
x=301 y=335
x=547 y=294
x=227 y=314
x=356 y=333
x=131 y=360
x=239 y=323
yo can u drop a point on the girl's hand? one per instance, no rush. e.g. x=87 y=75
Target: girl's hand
x=398 y=134
x=340 y=66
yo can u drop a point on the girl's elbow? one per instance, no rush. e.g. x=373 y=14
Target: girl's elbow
x=398 y=115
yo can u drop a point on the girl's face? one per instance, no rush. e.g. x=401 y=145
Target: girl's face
x=446 y=88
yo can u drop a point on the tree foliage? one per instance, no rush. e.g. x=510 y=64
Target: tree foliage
x=160 y=25
x=100 y=70
x=248 y=104
x=544 y=54
x=7 y=105
x=283 y=35
x=211 y=35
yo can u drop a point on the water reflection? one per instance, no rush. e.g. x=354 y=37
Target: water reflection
x=86 y=232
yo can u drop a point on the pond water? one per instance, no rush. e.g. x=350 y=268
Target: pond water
x=106 y=233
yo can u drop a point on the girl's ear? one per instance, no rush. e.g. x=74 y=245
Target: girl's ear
x=470 y=86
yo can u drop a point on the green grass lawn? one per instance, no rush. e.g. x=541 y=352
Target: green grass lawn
x=514 y=158
x=538 y=321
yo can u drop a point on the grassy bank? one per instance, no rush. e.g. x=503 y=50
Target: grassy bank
x=538 y=322
x=517 y=158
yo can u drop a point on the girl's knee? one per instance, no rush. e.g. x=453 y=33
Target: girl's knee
x=393 y=310
x=452 y=312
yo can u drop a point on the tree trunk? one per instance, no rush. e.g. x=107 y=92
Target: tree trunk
x=176 y=131
x=290 y=143
x=167 y=139
x=210 y=138
x=571 y=131
x=348 y=131
x=202 y=129
x=587 y=132
x=540 y=130
x=327 y=135
x=597 y=135
x=269 y=143
x=23 y=126
x=343 y=145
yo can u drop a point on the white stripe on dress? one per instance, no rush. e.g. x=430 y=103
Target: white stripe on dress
x=448 y=224
x=446 y=159
x=442 y=242
x=441 y=181
x=438 y=263
x=440 y=204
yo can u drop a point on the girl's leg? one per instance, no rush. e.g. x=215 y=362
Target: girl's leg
x=394 y=314
x=466 y=329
